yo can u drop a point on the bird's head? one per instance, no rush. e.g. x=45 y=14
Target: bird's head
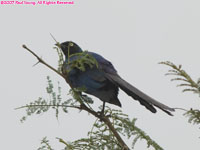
x=71 y=46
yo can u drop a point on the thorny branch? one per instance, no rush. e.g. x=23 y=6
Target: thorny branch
x=27 y=106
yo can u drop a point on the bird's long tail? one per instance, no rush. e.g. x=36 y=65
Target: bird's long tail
x=136 y=94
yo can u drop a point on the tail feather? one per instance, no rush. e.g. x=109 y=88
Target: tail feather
x=136 y=94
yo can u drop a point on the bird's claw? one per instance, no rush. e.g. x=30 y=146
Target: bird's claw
x=100 y=114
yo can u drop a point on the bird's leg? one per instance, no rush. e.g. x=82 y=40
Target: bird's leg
x=101 y=113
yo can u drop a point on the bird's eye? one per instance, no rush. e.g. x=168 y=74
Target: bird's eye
x=71 y=44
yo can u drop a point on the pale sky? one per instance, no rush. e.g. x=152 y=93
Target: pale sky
x=134 y=35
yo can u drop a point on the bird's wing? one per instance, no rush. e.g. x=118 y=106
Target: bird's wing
x=145 y=100
x=103 y=64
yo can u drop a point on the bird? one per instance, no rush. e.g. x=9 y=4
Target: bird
x=103 y=81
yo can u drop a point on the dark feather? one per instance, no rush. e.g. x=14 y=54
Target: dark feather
x=136 y=94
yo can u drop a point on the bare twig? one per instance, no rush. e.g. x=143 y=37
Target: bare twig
x=42 y=61
x=181 y=109
x=103 y=118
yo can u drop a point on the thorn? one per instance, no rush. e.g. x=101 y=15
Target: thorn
x=57 y=43
x=53 y=38
x=36 y=64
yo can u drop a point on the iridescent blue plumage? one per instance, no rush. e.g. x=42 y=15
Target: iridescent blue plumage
x=103 y=81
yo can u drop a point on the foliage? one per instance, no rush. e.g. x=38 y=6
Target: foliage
x=45 y=145
x=42 y=105
x=84 y=60
x=192 y=114
x=60 y=60
x=101 y=138
x=183 y=76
